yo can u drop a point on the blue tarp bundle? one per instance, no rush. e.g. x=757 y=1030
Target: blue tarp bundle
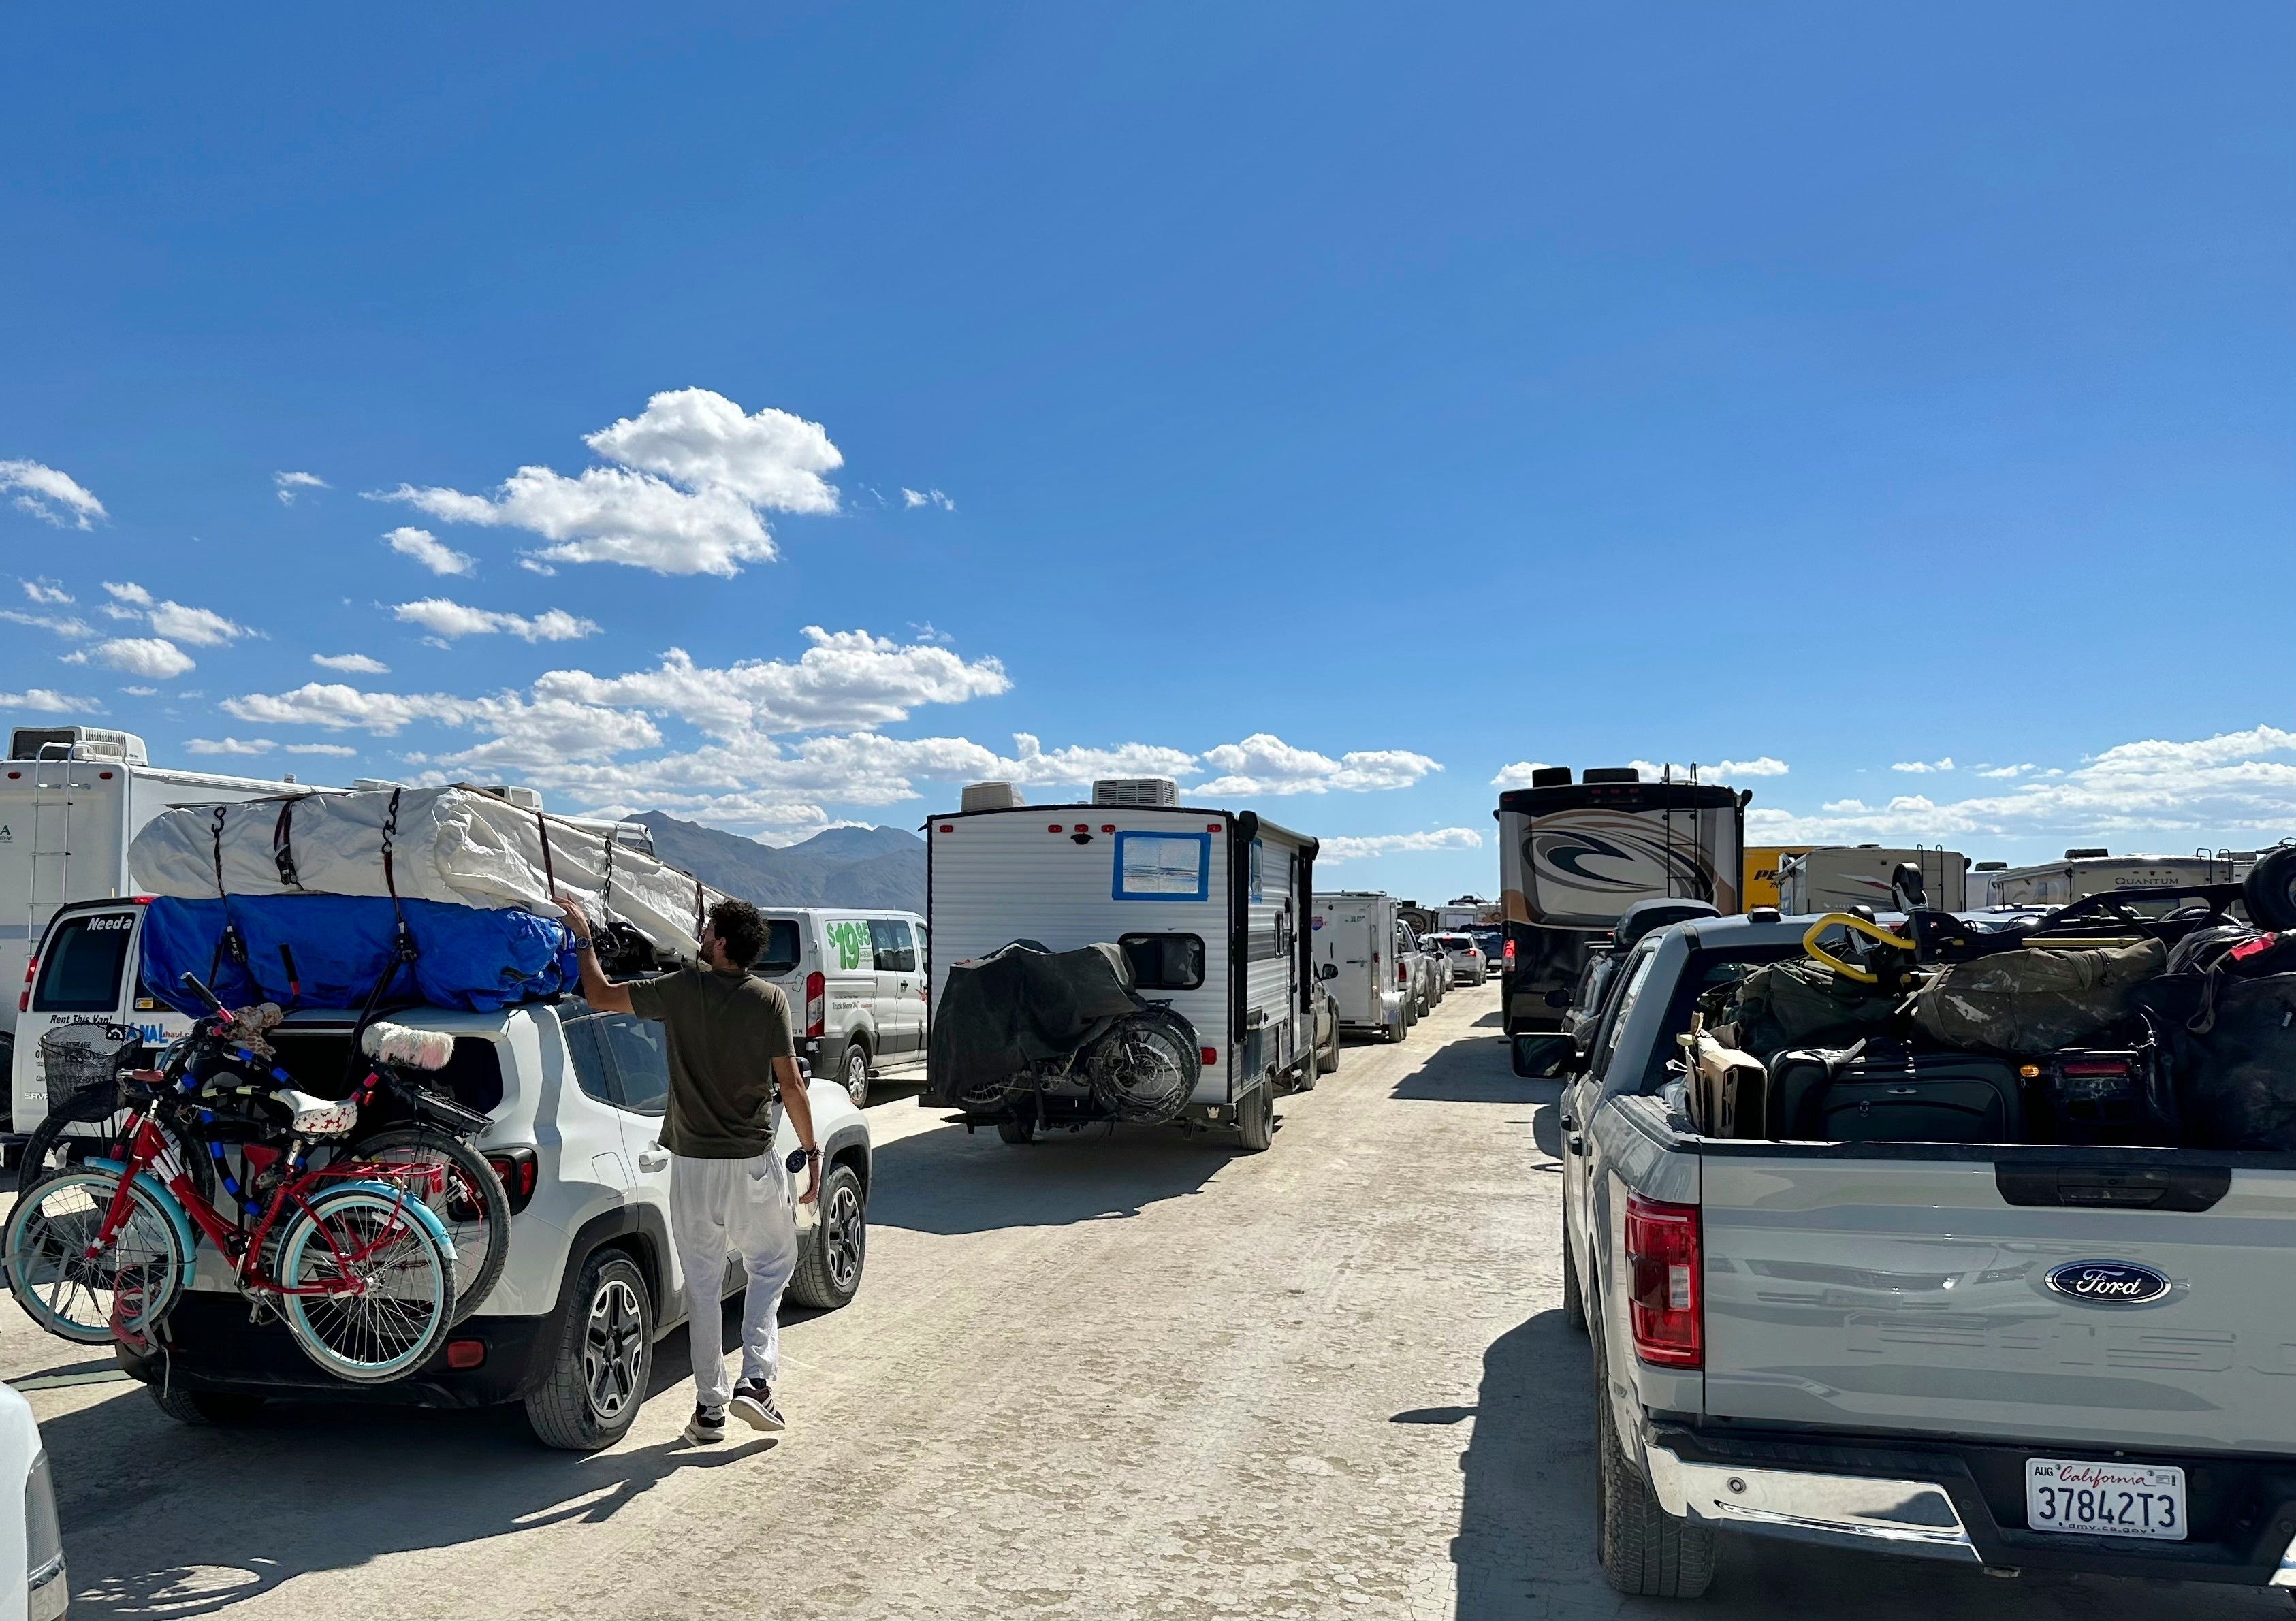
x=467 y=957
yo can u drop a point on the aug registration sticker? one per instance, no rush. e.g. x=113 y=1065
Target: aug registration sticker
x=2105 y=1499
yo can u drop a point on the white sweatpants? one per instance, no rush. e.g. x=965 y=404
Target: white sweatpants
x=742 y=1207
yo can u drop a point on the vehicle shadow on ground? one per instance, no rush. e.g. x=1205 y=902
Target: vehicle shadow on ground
x=1471 y=1072
x=1526 y=1542
x=321 y=1486
x=1492 y=1020
x=951 y=1181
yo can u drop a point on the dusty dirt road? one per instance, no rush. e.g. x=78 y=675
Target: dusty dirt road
x=1089 y=1376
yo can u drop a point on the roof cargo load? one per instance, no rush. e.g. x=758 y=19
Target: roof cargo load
x=454 y=846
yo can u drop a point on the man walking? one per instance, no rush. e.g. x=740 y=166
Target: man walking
x=729 y=1044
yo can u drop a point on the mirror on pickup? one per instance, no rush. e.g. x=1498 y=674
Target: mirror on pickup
x=1328 y=971
x=1544 y=1058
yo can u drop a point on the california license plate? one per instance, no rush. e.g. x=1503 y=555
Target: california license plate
x=2104 y=1499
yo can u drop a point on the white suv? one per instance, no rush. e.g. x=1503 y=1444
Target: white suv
x=592 y=1282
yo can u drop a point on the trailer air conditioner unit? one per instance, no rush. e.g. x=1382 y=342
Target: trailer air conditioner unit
x=989 y=796
x=513 y=793
x=1161 y=793
x=77 y=743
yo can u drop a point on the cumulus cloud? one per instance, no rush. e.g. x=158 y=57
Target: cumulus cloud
x=200 y=627
x=153 y=658
x=289 y=483
x=50 y=496
x=1922 y=767
x=2004 y=771
x=451 y=620
x=62 y=624
x=2236 y=786
x=1517 y=775
x=1263 y=764
x=230 y=745
x=691 y=479
x=426 y=548
x=47 y=700
x=141 y=691
x=926 y=497
x=351 y=663
x=1347 y=848
x=339 y=749
x=46 y=592
x=1766 y=765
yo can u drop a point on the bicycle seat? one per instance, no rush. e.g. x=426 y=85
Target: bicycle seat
x=315 y=1117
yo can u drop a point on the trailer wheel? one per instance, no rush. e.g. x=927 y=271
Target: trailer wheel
x=1255 y=1122
x=1017 y=1128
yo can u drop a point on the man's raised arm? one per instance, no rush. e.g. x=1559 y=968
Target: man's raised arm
x=599 y=992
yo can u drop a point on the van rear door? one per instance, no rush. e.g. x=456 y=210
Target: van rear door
x=2121 y=1297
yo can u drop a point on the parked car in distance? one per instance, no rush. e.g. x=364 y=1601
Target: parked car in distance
x=575 y=1100
x=1421 y=976
x=857 y=985
x=1463 y=959
x=1327 y=1030
x=32 y=1544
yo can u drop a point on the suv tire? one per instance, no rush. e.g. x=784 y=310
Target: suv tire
x=204 y=1407
x=854 y=1076
x=598 y=1371
x=830 y=1256
x=1642 y=1549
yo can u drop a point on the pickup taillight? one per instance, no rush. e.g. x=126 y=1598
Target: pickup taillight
x=1666 y=1306
x=817 y=1004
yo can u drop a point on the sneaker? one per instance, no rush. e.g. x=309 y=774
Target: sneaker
x=753 y=1404
x=706 y=1427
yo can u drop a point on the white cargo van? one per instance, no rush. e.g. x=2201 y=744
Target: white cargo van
x=1354 y=935
x=856 y=983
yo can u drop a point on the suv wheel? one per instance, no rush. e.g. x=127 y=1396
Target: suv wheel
x=854 y=1076
x=830 y=1256
x=598 y=1373
x=1642 y=1547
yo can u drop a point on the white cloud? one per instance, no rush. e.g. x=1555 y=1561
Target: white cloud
x=48 y=700
x=153 y=658
x=2237 y=787
x=51 y=496
x=1517 y=775
x=1264 y=764
x=691 y=476
x=1350 y=848
x=1920 y=768
x=289 y=483
x=2004 y=771
x=442 y=618
x=200 y=627
x=911 y=498
x=342 y=750
x=229 y=745
x=535 y=566
x=141 y=691
x=46 y=592
x=425 y=548
x=699 y=439
x=1763 y=766
x=63 y=624
x=351 y=663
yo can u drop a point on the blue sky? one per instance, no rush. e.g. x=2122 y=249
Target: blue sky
x=1334 y=405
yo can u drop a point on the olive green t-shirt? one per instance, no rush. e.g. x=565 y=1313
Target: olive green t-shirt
x=725 y=1031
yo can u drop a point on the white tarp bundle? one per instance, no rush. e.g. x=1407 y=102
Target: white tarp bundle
x=454 y=844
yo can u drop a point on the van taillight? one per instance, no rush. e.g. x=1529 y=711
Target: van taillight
x=816 y=1005
x=31 y=966
x=1665 y=1302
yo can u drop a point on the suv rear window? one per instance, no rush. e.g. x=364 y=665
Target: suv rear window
x=80 y=969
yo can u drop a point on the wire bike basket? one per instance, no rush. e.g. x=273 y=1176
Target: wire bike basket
x=78 y=1058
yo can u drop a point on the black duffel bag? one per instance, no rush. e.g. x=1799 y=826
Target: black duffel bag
x=2239 y=1080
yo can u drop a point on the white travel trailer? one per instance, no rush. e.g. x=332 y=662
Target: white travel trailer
x=2084 y=872
x=1206 y=904
x=1834 y=878
x=1351 y=935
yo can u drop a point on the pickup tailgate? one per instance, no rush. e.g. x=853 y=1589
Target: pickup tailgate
x=1914 y=1293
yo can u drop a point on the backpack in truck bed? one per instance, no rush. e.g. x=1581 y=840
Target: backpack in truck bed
x=1797 y=1003
x=1892 y=1095
x=2239 y=1076
x=2034 y=999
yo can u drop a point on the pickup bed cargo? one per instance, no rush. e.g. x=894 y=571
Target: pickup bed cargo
x=2020 y=1356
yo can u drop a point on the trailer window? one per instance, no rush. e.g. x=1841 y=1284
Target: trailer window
x=1163 y=866
x=80 y=971
x=1165 y=962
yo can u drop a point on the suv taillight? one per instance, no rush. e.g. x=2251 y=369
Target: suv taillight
x=520 y=1171
x=1665 y=1302
x=817 y=1004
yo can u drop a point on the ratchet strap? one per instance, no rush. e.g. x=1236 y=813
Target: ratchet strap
x=228 y=944
x=282 y=845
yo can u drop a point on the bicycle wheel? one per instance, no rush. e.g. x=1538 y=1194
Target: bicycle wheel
x=384 y=1240
x=462 y=1189
x=120 y=1292
x=52 y=1147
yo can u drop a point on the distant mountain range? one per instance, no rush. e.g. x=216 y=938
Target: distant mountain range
x=840 y=866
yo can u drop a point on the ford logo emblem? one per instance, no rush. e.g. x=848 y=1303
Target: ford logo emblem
x=2109 y=1282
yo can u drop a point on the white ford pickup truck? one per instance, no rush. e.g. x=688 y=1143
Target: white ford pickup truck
x=2012 y=1355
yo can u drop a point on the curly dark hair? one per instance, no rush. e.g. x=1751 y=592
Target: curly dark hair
x=741 y=929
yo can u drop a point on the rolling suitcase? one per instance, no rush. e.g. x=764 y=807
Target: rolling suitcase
x=1860 y=1094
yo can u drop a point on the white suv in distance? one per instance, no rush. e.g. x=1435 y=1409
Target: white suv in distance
x=1468 y=965
x=575 y=1100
